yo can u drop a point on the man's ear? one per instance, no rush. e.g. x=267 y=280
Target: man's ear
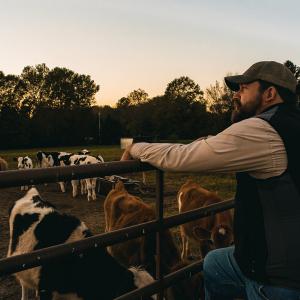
x=270 y=94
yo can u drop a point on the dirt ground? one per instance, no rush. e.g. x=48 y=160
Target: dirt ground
x=89 y=212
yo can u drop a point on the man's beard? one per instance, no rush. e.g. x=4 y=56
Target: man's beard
x=241 y=112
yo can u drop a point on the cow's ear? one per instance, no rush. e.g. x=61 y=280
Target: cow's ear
x=15 y=159
x=202 y=233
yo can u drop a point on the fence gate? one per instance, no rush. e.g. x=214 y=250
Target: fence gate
x=55 y=174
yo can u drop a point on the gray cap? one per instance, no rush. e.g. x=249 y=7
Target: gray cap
x=270 y=71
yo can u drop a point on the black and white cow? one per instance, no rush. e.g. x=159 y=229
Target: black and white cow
x=88 y=184
x=35 y=224
x=48 y=159
x=24 y=163
x=52 y=159
x=84 y=152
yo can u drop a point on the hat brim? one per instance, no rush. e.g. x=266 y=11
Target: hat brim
x=233 y=82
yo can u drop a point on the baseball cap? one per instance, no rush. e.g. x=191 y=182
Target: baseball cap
x=270 y=71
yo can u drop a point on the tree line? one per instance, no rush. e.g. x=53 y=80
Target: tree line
x=56 y=107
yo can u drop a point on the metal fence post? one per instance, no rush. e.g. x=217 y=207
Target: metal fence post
x=159 y=217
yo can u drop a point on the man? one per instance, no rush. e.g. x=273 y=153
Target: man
x=262 y=148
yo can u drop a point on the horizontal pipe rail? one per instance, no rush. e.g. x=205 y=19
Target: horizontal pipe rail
x=197 y=213
x=26 y=261
x=167 y=281
x=13 y=178
x=38 y=257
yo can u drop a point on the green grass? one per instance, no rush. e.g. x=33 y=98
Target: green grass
x=224 y=184
x=109 y=153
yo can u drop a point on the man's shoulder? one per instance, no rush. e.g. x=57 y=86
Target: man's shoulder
x=248 y=125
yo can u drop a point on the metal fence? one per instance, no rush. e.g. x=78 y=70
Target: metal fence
x=37 y=176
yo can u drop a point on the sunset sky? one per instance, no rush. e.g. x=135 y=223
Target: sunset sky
x=129 y=44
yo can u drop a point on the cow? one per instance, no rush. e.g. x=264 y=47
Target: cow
x=211 y=232
x=84 y=152
x=24 y=163
x=87 y=184
x=35 y=224
x=121 y=210
x=52 y=159
x=49 y=159
x=3 y=164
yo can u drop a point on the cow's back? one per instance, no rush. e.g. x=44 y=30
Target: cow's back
x=35 y=224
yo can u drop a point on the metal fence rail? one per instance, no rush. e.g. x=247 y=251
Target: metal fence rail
x=36 y=176
x=55 y=174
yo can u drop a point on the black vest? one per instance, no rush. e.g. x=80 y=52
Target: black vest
x=267 y=212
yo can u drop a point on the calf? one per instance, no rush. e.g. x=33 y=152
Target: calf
x=3 y=164
x=94 y=274
x=212 y=231
x=84 y=152
x=52 y=159
x=88 y=184
x=48 y=159
x=24 y=163
x=121 y=210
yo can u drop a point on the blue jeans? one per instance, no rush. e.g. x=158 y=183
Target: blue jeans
x=225 y=281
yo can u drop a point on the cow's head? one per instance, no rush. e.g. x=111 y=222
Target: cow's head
x=84 y=152
x=219 y=237
x=21 y=161
x=64 y=160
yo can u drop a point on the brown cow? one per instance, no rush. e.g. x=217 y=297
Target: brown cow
x=122 y=210
x=3 y=164
x=212 y=231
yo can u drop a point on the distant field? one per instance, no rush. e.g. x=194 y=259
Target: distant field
x=222 y=183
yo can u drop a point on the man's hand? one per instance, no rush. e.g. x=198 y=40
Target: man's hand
x=126 y=154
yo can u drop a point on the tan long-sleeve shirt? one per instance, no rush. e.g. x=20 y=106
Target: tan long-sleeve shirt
x=251 y=145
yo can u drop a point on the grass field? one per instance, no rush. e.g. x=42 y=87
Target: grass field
x=224 y=184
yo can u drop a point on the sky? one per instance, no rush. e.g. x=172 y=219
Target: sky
x=129 y=44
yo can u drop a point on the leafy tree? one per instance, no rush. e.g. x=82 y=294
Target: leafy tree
x=33 y=82
x=123 y=102
x=67 y=89
x=296 y=71
x=185 y=88
x=137 y=97
x=10 y=91
x=219 y=98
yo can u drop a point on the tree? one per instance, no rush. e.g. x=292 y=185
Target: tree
x=219 y=98
x=67 y=89
x=10 y=91
x=123 y=102
x=296 y=71
x=185 y=88
x=33 y=82
x=137 y=97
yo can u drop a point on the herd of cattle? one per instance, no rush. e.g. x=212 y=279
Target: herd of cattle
x=108 y=273
x=58 y=159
